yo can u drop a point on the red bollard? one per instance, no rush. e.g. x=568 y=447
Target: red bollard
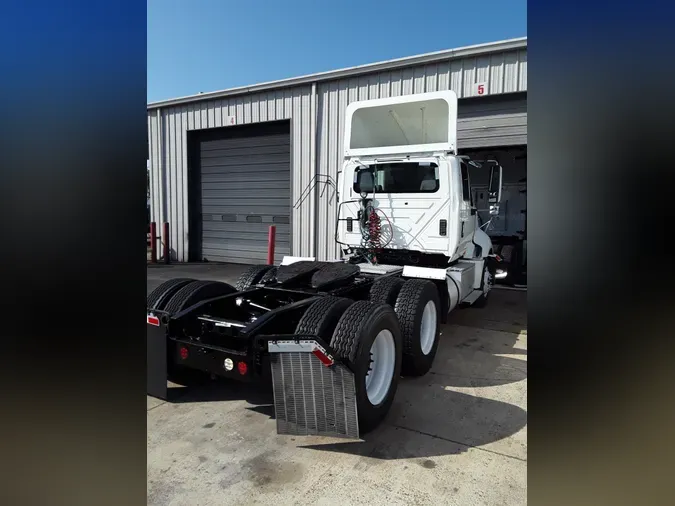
x=153 y=242
x=271 y=238
x=167 y=250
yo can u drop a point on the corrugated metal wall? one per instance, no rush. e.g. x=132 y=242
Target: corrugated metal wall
x=505 y=72
x=168 y=128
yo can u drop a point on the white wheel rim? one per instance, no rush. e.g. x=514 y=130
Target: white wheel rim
x=381 y=372
x=428 y=328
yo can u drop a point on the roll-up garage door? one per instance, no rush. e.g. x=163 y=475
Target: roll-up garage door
x=499 y=120
x=245 y=188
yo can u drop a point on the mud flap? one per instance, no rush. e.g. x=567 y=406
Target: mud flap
x=156 y=359
x=313 y=394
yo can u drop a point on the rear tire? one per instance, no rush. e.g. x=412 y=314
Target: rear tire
x=195 y=292
x=322 y=317
x=251 y=276
x=418 y=308
x=353 y=341
x=385 y=290
x=269 y=277
x=163 y=293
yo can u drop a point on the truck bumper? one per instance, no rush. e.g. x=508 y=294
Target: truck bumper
x=167 y=358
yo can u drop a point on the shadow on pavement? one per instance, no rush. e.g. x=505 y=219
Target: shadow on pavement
x=506 y=311
x=260 y=395
x=427 y=419
x=480 y=358
x=437 y=422
x=208 y=390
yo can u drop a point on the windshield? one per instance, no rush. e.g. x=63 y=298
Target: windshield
x=400 y=177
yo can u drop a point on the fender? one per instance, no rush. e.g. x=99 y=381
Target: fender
x=288 y=260
x=480 y=238
x=412 y=271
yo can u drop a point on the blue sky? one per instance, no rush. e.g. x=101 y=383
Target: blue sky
x=208 y=45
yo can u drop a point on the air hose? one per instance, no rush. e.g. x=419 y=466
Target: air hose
x=371 y=232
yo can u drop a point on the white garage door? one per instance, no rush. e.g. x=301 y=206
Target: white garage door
x=245 y=188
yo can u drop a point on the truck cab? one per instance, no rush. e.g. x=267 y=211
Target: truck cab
x=400 y=154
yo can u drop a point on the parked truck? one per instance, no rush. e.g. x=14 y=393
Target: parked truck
x=336 y=336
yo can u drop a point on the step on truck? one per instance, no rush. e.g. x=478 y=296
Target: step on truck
x=336 y=336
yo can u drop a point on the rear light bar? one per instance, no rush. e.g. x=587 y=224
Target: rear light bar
x=325 y=359
x=303 y=345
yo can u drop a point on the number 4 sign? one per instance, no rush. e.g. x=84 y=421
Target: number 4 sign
x=480 y=89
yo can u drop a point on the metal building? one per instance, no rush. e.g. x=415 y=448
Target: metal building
x=225 y=165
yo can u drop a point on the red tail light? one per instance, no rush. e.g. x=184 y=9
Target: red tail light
x=242 y=368
x=184 y=353
x=325 y=359
x=153 y=320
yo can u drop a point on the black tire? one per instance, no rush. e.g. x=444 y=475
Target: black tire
x=385 y=290
x=352 y=340
x=196 y=291
x=251 y=276
x=163 y=293
x=322 y=317
x=491 y=268
x=410 y=304
x=269 y=277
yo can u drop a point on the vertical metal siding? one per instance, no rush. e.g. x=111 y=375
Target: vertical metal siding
x=168 y=127
x=312 y=223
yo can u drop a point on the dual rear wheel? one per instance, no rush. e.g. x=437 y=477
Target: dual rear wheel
x=367 y=337
x=393 y=333
x=416 y=303
x=176 y=295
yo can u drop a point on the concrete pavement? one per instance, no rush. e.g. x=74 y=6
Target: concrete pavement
x=456 y=436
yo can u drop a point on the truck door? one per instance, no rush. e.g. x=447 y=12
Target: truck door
x=467 y=210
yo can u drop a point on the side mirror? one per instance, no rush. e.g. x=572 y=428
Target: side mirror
x=366 y=181
x=495 y=189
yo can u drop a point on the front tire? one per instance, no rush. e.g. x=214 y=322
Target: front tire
x=487 y=283
x=368 y=338
x=418 y=307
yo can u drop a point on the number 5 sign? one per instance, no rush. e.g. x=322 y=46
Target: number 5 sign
x=480 y=89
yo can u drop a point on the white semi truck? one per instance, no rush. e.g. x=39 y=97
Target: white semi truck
x=335 y=336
